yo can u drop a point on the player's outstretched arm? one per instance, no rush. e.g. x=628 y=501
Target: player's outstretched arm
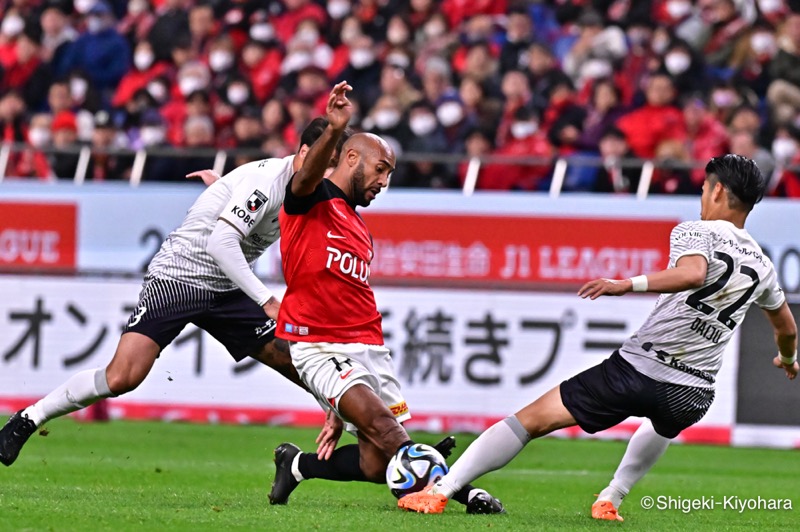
x=225 y=247
x=689 y=272
x=208 y=177
x=338 y=112
x=785 y=329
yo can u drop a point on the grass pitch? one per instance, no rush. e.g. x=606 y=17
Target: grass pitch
x=161 y=476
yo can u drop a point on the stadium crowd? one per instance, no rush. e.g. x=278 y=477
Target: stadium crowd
x=674 y=81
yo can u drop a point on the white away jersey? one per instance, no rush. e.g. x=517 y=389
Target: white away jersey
x=250 y=198
x=683 y=338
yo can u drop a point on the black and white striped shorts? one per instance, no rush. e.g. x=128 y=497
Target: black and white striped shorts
x=165 y=307
x=607 y=394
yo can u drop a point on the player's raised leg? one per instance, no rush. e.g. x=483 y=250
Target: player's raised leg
x=493 y=449
x=132 y=362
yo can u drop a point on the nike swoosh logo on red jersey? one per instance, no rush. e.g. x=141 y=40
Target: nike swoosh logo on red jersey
x=343 y=376
x=331 y=235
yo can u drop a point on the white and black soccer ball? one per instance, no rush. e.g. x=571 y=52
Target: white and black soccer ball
x=413 y=467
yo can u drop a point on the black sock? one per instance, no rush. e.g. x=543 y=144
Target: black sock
x=462 y=495
x=405 y=443
x=343 y=465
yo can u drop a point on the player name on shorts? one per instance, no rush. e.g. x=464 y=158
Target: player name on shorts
x=349 y=264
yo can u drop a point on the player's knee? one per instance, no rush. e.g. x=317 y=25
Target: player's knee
x=120 y=382
x=387 y=434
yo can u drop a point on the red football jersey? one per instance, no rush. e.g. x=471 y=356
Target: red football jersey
x=326 y=250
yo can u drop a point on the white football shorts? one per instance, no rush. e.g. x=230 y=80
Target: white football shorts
x=329 y=370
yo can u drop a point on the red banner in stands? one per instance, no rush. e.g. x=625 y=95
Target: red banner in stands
x=515 y=249
x=37 y=235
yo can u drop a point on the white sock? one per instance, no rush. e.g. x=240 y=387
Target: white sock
x=492 y=450
x=644 y=450
x=80 y=390
x=296 y=468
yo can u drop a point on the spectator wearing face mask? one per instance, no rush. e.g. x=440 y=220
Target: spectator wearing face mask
x=221 y=60
x=83 y=95
x=11 y=27
x=526 y=141
x=234 y=96
x=516 y=91
x=783 y=94
x=32 y=162
x=685 y=67
x=363 y=71
x=385 y=119
x=193 y=78
x=455 y=123
x=427 y=133
x=153 y=136
x=786 y=150
x=101 y=52
x=145 y=69
x=305 y=49
x=427 y=137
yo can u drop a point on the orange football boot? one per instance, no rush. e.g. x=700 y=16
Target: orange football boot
x=606 y=511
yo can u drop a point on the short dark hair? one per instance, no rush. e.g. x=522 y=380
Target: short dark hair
x=741 y=178
x=314 y=130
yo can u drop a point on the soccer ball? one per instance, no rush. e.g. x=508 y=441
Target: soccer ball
x=414 y=467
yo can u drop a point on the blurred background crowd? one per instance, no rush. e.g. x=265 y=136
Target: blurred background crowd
x=673 y=81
